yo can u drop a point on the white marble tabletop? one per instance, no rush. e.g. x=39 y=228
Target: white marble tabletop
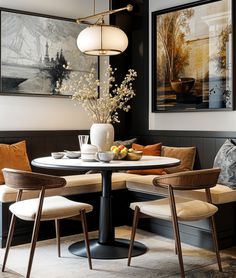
x=144 y=163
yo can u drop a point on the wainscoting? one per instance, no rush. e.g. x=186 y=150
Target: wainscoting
x=206 y=142
x=42 y=143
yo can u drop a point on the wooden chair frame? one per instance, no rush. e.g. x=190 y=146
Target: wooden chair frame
x=22 y=180
x=199 y=179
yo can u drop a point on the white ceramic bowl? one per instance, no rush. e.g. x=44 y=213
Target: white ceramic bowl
x=57 y=155
x=73 y=154
x=105 y=156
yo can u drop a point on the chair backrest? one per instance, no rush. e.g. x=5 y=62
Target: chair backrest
x=23 y=180
x=189 y=180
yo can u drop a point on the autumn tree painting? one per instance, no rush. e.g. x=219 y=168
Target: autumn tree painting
x=171 y=31
x=192 y=55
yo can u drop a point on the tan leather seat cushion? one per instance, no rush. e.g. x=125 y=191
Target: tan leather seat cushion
x=186 y=209
x=220 y=193
x=80 y=184
x=56 y=207
x=77 y=184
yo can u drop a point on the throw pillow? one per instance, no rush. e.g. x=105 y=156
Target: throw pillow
x=185 y=154
x=226 y=160
x=13 y=156
x=155 y=150
x=127 y=143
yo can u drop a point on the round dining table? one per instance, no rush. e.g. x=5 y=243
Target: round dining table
x=106 y=246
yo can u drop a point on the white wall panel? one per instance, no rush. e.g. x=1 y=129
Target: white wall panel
x=43 y=113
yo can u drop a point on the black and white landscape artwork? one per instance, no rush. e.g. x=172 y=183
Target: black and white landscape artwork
x=37 y=52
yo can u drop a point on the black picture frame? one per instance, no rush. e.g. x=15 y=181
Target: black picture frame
x=192 y=57
x=38 y=52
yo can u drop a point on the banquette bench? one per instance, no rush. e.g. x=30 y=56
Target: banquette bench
x=126 y=188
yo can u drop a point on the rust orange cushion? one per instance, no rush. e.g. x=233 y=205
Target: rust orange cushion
x=13 y=156
x=155 y=150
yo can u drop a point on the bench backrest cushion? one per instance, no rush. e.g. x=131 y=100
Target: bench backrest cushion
x=185 y=154
x=13 y=156
x=155 y=150
x=226 y=160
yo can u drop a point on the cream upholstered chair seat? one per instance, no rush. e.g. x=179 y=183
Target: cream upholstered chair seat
x=177 y=208
x=41 y=208
x=186 y=209
x=55 y=207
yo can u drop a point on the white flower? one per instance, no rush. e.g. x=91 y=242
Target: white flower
x=102 y=99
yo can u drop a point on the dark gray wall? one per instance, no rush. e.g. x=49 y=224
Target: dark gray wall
x=135 y=24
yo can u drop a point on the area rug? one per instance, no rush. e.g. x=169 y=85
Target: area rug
x=159 y=261
x=211 y=271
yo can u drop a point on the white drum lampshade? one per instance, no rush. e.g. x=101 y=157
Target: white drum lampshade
x=102 y=40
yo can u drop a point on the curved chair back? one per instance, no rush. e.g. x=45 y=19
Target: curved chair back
x=22 y=180
x=189 y=180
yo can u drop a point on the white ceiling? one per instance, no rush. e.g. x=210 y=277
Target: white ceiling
x=64 y=8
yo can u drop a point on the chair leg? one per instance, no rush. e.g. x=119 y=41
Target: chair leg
x=134 y=227
x=176 y=251
x=33 y=245
x=57 y=227
x=178 y=246
x=86 y=239
x=214 y=238
x=176 y=230
x=9 y=240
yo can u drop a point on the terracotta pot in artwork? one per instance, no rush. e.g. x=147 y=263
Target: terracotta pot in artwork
x=182 y=85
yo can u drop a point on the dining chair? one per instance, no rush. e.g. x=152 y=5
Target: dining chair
x=176 y=208
x=42 y=208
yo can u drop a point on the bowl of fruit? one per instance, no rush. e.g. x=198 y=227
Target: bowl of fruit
x=119 y=151
x=122 y=152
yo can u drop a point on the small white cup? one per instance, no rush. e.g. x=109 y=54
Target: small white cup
x=104 y=156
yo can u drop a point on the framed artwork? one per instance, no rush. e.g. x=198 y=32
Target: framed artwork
x=38 y=53
x=193 y=65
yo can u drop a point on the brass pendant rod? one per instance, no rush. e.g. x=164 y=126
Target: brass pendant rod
x=84 y=20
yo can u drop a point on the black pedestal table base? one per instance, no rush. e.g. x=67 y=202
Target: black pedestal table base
x=117 y=250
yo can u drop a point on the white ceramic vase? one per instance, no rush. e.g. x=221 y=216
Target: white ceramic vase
x=102 y=136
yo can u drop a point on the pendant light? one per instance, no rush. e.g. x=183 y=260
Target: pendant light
x=102 y=39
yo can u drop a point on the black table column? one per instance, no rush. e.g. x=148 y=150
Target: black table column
x=106 y=229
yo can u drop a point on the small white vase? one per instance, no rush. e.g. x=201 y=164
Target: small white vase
x=102 y=136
